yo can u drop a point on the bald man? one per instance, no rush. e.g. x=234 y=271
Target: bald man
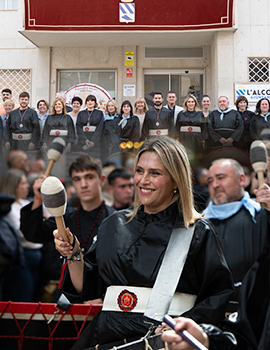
x=241 y=224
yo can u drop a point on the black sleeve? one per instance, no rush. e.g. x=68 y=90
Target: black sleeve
x=34 y=228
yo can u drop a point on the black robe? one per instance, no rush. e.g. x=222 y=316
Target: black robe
x=30 y=125
x=37 y=230
x=245 y=140
x=58 y=122
x=131 y=131
x=257 y=124
x=231 y=126
x=191 y=140
x=166 y=122
x=110 y=137
x=242 y=241
x=96 y=120
x=251 y=326
x=130 y=254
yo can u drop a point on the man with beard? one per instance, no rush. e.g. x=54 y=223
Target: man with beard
x=158 y=120
x=241 y=224
x=23 y=128
x=225 y=126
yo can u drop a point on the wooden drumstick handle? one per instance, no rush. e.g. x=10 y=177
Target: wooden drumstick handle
x=260 y=175
x=61 y=227
x=49 y=167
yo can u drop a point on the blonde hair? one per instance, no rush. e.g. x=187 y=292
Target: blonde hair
x=172 y=155
x=10 y=181
x=140 y=99
x=9 y=102
x=64 y=111
x=197 y=106
x=115 y=105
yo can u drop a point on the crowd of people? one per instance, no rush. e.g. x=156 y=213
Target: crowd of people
x=121 y=226
x=84 y=127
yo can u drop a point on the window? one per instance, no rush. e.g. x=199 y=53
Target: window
x=258 y=69
x=8 y=4
x=17 y=80
x=105 y=79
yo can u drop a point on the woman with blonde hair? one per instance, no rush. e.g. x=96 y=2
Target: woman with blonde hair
x=22 y=282
x=140 y=108
x=58 y=124
x=111 y=131
x=131 y=246
x=190 y=126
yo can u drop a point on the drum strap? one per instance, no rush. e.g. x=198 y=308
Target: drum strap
x=169 y=272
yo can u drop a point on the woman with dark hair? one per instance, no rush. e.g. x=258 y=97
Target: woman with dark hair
x=43 y=112
x=58 y=124
x=89 y=127
x=76 y=104
x=190 y=127
x=124 y=264
x=261 y=119
x=241 y=104
x=129 y=124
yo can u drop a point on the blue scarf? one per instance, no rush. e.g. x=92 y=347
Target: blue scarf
x=225 y=211
x=265 y=116
x=223 y=112
x=110 y=117
x=123 y=122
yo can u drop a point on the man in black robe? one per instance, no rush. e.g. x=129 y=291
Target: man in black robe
x=248 y=329
x=86 y=176
x=158 y=120
x=23 y=128
x=241 y=224
x=225 y=125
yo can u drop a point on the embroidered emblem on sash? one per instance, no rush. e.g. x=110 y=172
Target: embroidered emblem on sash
x=127 y=300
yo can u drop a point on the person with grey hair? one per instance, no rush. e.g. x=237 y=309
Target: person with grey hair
x=241 y=224
x=225 y=125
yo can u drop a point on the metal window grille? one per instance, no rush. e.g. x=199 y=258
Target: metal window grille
x=17 y=80
x=258 y=69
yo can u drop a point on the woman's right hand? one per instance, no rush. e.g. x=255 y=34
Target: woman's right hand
x=176 y=342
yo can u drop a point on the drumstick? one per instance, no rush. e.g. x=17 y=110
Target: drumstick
x=265 y=135
x=184 y=334
x=55 y=199
x=258 y=159
x=54 y=153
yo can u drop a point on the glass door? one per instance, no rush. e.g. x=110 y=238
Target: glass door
x=182 y=82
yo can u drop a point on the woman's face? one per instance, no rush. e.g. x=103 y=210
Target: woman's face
x=90 y=104
x=264 y=107
x=242 y=105
x=8 y=108
x=76 y=106
x=206 y=102
x=23 y=188
x=126 y=109
x=58 y=107
x=42 y=107
x=140 y=106
x=111 y=108
x=190 y=104
x=153 y=183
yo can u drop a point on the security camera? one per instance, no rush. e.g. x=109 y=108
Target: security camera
x=186 y=71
